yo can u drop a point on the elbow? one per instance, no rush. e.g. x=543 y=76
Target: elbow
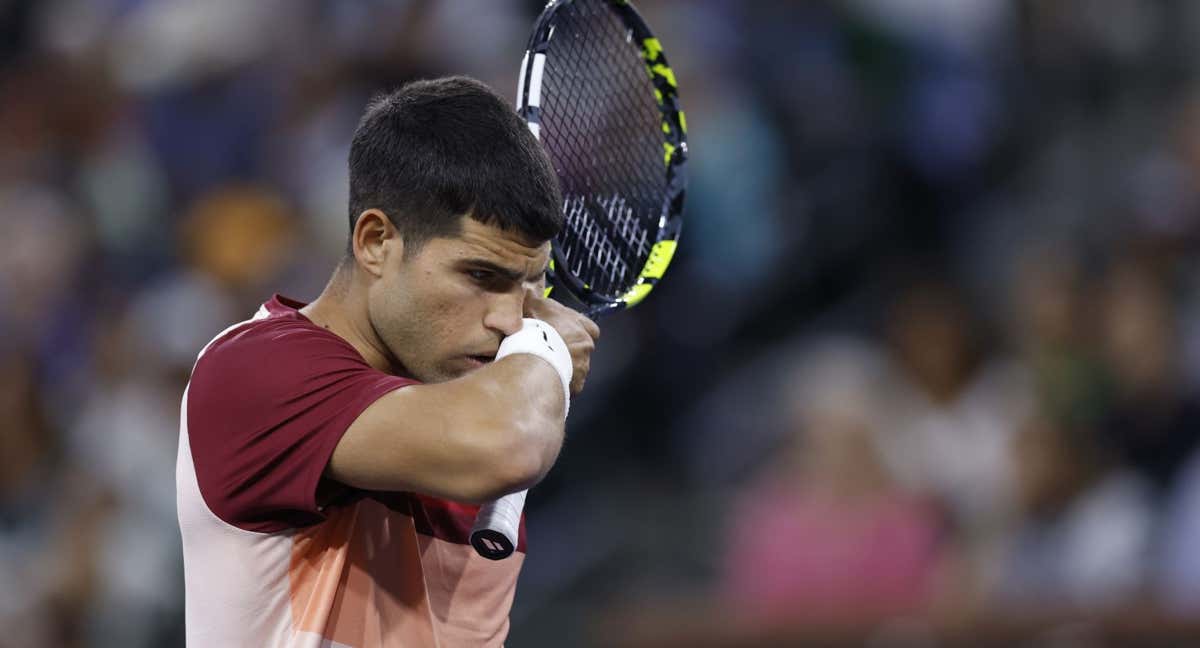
x=512 y=475
x=517 y=460
x=499 y=478
x=512 y=447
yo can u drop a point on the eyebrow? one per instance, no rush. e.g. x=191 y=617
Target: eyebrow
x=484 y=264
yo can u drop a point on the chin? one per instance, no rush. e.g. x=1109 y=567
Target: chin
x=462 y=368
x=443 y=374
x=445 y=371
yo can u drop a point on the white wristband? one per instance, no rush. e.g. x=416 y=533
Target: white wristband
x=540 y=339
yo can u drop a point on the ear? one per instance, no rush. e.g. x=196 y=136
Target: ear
x=374 y=240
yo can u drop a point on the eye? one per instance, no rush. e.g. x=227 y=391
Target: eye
x=480 y=275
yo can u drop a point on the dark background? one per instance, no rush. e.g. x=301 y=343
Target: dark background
x=924 y=367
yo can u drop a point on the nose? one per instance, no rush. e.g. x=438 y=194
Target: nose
x=505 y=312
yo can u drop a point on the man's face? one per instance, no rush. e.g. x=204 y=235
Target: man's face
x=443 y=311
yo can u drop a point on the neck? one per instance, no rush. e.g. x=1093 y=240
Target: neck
x=342 y=309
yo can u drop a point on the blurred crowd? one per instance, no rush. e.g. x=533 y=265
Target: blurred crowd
x=931 y=347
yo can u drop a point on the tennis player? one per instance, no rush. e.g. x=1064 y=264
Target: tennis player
x=332 y=455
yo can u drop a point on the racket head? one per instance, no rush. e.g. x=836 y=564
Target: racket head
x=596 y=89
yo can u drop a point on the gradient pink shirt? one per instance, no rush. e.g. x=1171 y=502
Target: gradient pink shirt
x=276 y=554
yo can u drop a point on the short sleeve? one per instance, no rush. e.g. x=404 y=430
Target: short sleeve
x=266 y=406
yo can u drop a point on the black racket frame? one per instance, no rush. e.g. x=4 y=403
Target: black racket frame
x=670 y=222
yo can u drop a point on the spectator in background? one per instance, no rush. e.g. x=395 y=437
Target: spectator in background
x=49 y=509
x=1051 y=333
x=1153 y=421
x=826 y=533
x=41 y=252
x=1177 y=568
x=239 y=239
x=951 y=408
x=1084 y=536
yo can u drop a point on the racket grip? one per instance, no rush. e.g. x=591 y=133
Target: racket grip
x=497 y=526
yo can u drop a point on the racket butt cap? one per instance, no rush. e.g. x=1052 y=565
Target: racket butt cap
x=491 y=544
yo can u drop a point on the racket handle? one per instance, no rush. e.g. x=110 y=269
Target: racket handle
x=497 y=526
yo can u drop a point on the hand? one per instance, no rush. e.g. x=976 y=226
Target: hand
x=577 y=330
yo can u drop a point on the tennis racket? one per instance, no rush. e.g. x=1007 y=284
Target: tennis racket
x=596 y=89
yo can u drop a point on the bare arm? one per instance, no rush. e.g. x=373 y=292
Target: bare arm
x=491 y=432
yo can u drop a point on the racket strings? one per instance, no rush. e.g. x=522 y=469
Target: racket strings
x=602 y=128
x=608 y=256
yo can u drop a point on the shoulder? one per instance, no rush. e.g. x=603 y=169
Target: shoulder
x=274 y=329
x=267 y=403
x=276 y=371
x=278 y=343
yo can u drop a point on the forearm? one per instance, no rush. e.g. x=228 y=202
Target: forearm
x=520 y=404
x=493 y=431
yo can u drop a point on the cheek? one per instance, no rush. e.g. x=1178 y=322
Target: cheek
x=445 y=311
x=453 y=312
x=388 y=309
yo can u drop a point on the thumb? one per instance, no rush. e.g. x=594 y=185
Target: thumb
x=533 y=302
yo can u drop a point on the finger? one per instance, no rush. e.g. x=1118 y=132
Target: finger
x=580 y=369
x=532 y=303
x=544 y=308
x=592 y=328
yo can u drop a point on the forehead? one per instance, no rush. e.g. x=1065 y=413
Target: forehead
x=511 y=249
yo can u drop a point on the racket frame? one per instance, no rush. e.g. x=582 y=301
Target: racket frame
x=675 y=153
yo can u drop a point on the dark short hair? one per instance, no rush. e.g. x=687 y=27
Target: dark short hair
x=434 y=150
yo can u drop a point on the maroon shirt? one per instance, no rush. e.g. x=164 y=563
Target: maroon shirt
x=268 y=537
